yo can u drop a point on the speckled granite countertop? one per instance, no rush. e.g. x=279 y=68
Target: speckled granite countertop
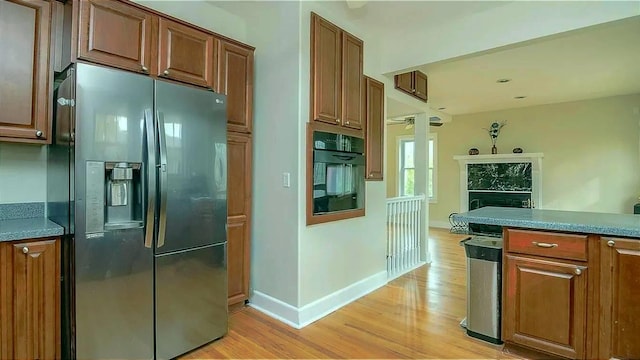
x=19 y=229
x=26 y=221
x=570 y=221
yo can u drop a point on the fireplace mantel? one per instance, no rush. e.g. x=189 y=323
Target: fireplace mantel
x=536 y=173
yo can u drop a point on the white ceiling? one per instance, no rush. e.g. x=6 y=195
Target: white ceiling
x=589 y=63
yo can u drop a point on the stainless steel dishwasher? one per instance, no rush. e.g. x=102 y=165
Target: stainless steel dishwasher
x=484 y=287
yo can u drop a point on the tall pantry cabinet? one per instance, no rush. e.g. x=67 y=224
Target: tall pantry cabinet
x=235 y=79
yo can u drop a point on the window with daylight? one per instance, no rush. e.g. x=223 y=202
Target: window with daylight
x=407 y=166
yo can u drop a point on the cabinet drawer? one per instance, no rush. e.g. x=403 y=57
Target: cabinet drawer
x=562 y=246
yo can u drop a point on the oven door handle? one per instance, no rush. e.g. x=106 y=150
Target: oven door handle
x=344 y=157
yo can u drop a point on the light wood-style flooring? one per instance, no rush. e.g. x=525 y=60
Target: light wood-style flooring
x=414 y=316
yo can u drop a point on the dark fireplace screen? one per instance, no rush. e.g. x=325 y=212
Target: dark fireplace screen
x=498 y=184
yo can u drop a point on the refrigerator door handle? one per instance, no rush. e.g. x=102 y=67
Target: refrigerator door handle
x=162 y=142
x=151 y=176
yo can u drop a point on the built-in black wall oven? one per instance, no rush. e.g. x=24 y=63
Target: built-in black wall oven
x=338 y=172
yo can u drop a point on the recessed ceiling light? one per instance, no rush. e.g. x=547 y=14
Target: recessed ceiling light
x=441 y=108
x=502 y=81
x=519 y=97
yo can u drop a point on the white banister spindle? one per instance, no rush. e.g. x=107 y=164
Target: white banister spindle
x=403 y=234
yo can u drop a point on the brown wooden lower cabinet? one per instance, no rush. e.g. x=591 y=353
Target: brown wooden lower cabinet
x=239 y=155
x=238 y=259
x=545 y=305
x=574 y=309
x=30 y=299
x=620 y=299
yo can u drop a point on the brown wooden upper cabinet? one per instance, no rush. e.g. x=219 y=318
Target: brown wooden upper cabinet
x=115 y=34
x=235 y=74
x=24 y=64
x=337 y=86
x=185 y=54
x=374 y=106
x=413 y=83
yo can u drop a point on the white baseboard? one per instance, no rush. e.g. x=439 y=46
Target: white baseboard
x=301 y=317
x=439 y=224
x=332 y=302
x=275 y=308
x=392 y=277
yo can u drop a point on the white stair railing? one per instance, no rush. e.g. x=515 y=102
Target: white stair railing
x=403 y=234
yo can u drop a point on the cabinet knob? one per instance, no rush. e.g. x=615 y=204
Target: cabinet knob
x=25 y=250
x=611 y=243
x=144 y=69
x=166 y=72
x=578 y=271
x=38 y=133
x=347 y=122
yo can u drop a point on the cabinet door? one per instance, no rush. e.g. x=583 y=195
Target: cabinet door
x=620 y=291
x=375 y=128
x=239 y=214
x=235 y=74
x=326 y=71
x=404 y=82
x=24 y=65
x=420 y=85
x=185 y=54
x=544 y=305
x=116 y=34
x=30 y=300
x=352 y=84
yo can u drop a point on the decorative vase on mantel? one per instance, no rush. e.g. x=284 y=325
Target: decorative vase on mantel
x=494 y=149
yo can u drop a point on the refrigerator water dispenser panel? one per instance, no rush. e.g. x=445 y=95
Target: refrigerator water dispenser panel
x=114 y=196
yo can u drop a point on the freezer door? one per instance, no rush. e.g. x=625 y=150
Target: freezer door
x=191 y=299
x=113 y=267
x=192 y=167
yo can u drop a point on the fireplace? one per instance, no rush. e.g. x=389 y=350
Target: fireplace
x=504 y=180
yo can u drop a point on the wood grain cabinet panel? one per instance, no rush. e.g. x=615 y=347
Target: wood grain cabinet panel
x=337 y=77
x=30 y=299
x=413 y=83
x=420 y=85
x=352 y=84
x=620 y=292
x=374 y=107
x=116 y=34
x=404 y=82
x=185 y=54
x=239 y=215
x=238 y=259
x=326 y=71
x=236 y=81
x=25 y=42
x=545 y=305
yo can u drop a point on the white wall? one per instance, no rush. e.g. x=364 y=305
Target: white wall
x=591 y=159
x=514 y=22
x=274 y=240
x=336 y=255
x=23 y=173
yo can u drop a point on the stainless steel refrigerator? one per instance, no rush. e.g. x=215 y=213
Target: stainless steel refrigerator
x=143 y=163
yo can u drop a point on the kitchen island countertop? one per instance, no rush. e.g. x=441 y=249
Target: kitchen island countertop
x=627 y=225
